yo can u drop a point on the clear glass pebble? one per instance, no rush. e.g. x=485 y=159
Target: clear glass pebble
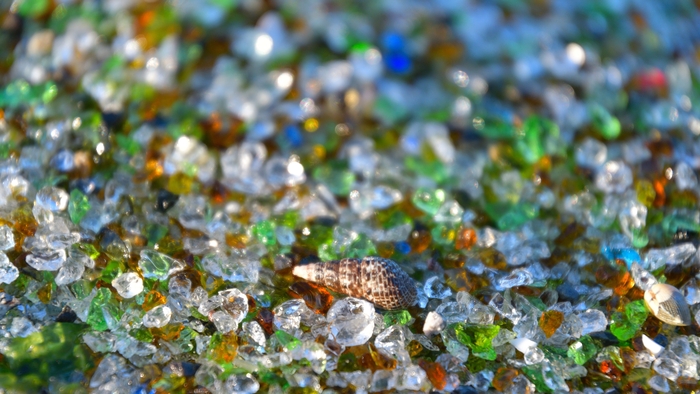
x=351 y=321
x=659 y=383
x=157 y=317
x=614 y=177
x=667 y=367
x=128 y=284
x=8 y=272
x=435 y=288
x=592 y=320
x=591 y=154
x=7 y=239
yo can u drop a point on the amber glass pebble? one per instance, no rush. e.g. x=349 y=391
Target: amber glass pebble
x=152 y=299
x=317 y=298
x=550 y=321
x=436 y=373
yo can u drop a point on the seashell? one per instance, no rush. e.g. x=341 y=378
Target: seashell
x=380 y=281
x=653 y=347
x=668 y=304
x=434 y=324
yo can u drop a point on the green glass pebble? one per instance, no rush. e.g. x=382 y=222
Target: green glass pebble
x=393 y=218
x=271 y=378
x=5 y=148
x=56 y=349
x=495 y=128
x=33 y=8
x=636 y=312
x=534 y=374
x=401 y=317
x=388 y=111
x=89 y=250
x=142 y=334
x=336 y=176
x=82 y=288
x=155 y=232
x=428 y=201
x=517 y=216
x=316 y=235
x=478 y=338
x=536 y=132
x=289 y=219
x=101 y=309
x=361 y=247
x=326 y=252
x=128 y=144
x=582 y=350
x=640 y=238
x=155 y=265
x=608 y=125
x=434 y=169
x=50 y=91
x=443 y=234
x=622 y=327
x=112 y=270
x=78 y=206
x=475 y=364
x=264 y=231
x=184 y=341
x=287 y=340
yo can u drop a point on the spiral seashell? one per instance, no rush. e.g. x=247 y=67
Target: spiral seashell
x=668 y=304
x=380 y=281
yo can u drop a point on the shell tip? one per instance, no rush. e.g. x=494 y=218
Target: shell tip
x=303 y=271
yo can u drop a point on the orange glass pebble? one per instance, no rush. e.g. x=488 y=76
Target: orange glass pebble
x=44 y=294
x=379 y=359
x=687 y=383
x=224 y=348
x=168 y=332
x=458 y=279
x=265 y=318
x=606 y=275
x=660 y=198
x=466 y=238
x=436 y=373
x=454 y=260
x=419 y=241
x=315 y=297
x=609 y=369
x=550 y=321
x=414 y=348
x=624 y=284
x=492 y=258
x=683 y=199
x=237 y=241
x=218 y=193
x=503 y=378
x=570 y=233
x=152 y=299
x=612 y=277
x=169 y=245
x=24 y=221
x=368 y=357
x=153 y=169
x=385 y=249
x=629 y=358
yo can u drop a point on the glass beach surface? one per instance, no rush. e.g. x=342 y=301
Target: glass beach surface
x=179 y=179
